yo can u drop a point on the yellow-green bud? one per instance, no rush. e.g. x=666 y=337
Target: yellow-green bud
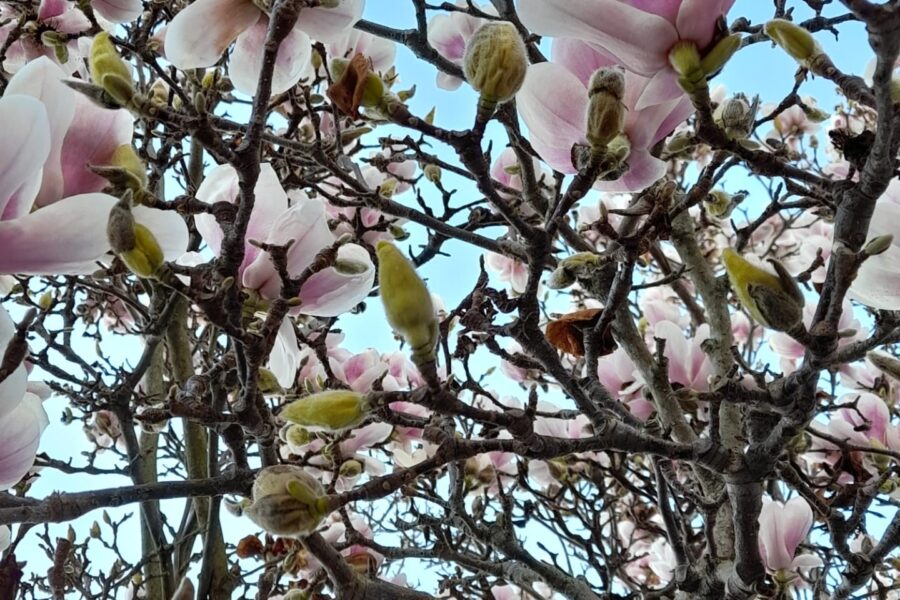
x=132 y=242
x=795 y=40
x=58 y=43
x=680 y=145
x=879 y=245
x=351 y=468
x=432 y=173
x=606 y=112
x=332 y=411
x=268 y=383
x=685 y=59
x=718 y=204
x=773 y=300
x=109 y=71
x=495 y=63
x=125 y=169
x=716 y=58
x=287 y=501
x=407 y=302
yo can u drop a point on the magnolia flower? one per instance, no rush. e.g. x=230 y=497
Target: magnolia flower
x=782 y=526
x=274 y=220
x=22 y=416
x=448 y=33
x=509 y=270
x=689 y=365
x=53 y=16
x=51 y=134
x=199 y=35
x=380 y=51
x=639 y=34
x=878 y=282
x=619 y=376
x=557 y=121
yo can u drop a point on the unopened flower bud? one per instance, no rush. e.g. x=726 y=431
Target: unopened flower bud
x=287 y=501
x=795 y=40
x=58 y=43
x=125 y=169
x=95 y=530
x=351 y=468
x=606 y=112
x=495 y=63
x=109 y=71
x=720 y=54
x=878 y=245
x=407 y=302
x=773 y=300
x=268 y=383
x=331 y=411
x=432 y=173
x=886 y=363
x=132 y=242
x=680 y=145
x=814 y=113
x=718 y=204
x=685 y=60
x=736 y=116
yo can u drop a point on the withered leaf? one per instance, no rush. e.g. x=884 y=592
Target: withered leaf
x=567 y=332
x=347 y=92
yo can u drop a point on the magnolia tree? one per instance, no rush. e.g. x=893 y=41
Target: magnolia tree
x=642 y=386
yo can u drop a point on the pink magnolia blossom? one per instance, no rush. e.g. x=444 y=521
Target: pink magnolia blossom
x=557 y=121
x=22 y=417
x=878 y=282
x=638 y=33
x=688 y=363
x=380 y=51
x=118 y=11
x=619 y=376
x=329 y=292
x=792 y=123
x=782 y=527
x=509 y=270
x=42 y=167
x=199 y=35
x=448 y=33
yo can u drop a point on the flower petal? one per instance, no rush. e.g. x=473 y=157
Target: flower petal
x=13 y=387
x=118 y=11
x=284 y=360
x=697 y=19
x=639 y=39
x=331 y=292
x=68 y=236
x=21 y=432
x=643 y=171
x=555 y=122
x=25 y=147
x=168 y=228
x=580 y=58
x=200 y=33
x=328 y=24
x=246 y=60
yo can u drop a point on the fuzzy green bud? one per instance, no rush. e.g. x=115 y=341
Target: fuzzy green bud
x=606 y=111
x=718 y=204
x=773 y=300
x=132 y=242
x=125 y=169
x=331 y=411
x=109 y=71
x=287 y=501
x=407 y=302
x=494 y=64
x=793 y=39
x=685 y=60
x=879 y=245
x=720 y=54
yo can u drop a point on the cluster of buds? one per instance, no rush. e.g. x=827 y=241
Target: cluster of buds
x=495 y=64
x=407 y=302
x=288 y=501
x=330 y=411
x=132 y=242
x=773 y=300
x=694 y=70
